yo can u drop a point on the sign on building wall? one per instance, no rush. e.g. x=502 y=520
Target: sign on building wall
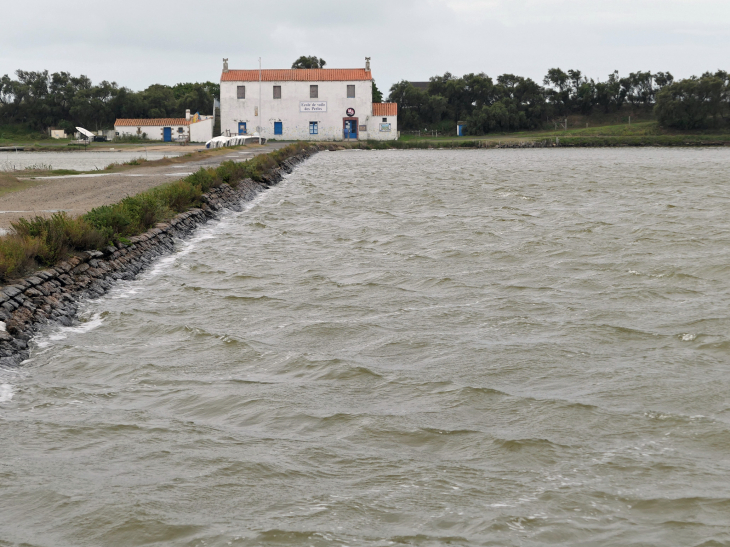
x=385 y=127
x=313 y=106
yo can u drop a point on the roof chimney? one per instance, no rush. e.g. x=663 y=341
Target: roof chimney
x=187 y=114
x=225 y=64
x=367 y=63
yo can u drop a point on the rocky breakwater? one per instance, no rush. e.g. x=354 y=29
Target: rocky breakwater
x=53 y=295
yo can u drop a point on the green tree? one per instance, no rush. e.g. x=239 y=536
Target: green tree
x=559 y=95
x=695 y=103
x=309 y=62
x=160 y=102
x=377 y=95
x=610 y=95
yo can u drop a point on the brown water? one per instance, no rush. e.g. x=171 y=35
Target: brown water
x=517 y=347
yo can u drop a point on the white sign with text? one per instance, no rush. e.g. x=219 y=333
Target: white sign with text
x=313 y=106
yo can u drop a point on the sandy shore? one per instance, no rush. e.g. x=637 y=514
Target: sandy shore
x=77 y=194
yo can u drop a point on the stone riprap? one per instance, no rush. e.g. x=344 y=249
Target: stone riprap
x=53 y=295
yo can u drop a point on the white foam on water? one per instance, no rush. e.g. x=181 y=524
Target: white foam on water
x=203 y=233
x=93 y=323
x=6 y=393
x=127 y=289
x=123 y=290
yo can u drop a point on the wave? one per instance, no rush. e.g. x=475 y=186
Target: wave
x=6 y=393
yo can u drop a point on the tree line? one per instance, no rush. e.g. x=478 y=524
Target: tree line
x=38 y=100
x=515 y=103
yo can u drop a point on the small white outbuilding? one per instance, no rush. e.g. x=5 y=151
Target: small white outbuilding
x=194 y=128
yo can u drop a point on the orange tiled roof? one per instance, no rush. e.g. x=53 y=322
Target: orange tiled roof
x=151 y=121
x=385 y=109
x=298 y=75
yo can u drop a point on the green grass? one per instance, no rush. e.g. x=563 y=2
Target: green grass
x=644 y=133
x=17 y=134
x=43 y=241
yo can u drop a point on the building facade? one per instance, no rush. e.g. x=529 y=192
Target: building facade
x=305 y=104
x=193 y=128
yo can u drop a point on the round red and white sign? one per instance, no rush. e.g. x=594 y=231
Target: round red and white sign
x=350 y=111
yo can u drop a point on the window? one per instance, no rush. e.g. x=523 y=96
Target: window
x=241 y=91
x=350 y=91
x=314 y=92
x=313 y=128
x=277 y=92
x=385 y=120
x=278 y=128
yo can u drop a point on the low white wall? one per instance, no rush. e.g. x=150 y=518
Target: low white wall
x=201 y=131
x=378 y=129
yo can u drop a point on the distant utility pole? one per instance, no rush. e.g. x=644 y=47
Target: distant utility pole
x=260 y=115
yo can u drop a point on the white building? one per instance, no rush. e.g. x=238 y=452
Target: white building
x=188 y=129
x=305 y=104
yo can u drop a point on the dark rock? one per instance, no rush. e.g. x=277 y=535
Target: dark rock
x=12 y=290
x=20 y=344
x=80 y=268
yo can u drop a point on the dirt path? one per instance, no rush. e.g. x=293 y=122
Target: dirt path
x=77 y=194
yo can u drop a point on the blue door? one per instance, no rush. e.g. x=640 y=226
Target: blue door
x=167 y=134
x=241 y=128
x=460 y=130
x=350 y=131
x=278 y=128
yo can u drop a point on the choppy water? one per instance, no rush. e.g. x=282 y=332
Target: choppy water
x=78 y=160
x=517 y=347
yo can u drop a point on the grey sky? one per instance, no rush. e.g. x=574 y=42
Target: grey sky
x=138 y=43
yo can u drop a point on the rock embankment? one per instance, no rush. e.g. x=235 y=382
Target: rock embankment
x=53 y=295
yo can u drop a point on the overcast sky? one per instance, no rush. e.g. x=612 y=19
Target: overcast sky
x=138 y=43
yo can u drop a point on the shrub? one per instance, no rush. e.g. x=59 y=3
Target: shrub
x=17 y=255
x=48 y=240
x=179 y=196
x=51 y=239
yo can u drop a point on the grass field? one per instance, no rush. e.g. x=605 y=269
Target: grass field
x=645 y=133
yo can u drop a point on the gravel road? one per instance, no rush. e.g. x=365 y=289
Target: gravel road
x=77 y=194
